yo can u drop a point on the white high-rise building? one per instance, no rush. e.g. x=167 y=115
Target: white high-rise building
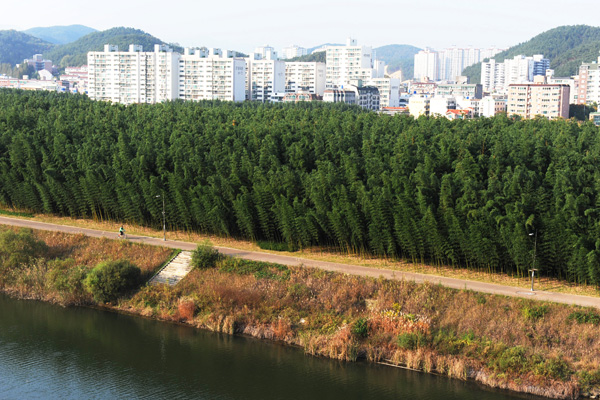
x=293 y=51
x=306 y=77
x=492 y=76
x=518 y=70
x=264 y=78
x=133 y=76
x=209 y=75
x=389 y=91
x=426 y=65
x=265 y=53
x=350 y=62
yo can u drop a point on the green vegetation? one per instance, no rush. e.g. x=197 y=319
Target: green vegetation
x=566 y=47
x=17 y=46
x=19 y=249
x=319 y=56
x=205 y=257
x=399 y=57
x=60 y=34
x=461 y=193
x=112 y=279
x=75 y=53
x=585 y=317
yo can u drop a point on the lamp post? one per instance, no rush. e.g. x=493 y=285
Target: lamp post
x=163 y=213
x=533 y=269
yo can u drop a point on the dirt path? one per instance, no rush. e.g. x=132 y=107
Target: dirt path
x=329 y=266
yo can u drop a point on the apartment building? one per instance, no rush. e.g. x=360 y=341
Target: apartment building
x=133 y=76
x=426 y=65
x=492 y=105
x=418 y=106
x=389 y=90
x=306 y=77
x=339 y=96
x=264 y=79
x=293 y=52
x=492 y=76
x=350 y=62
x=530 y=100
x=209 y=74
x=468 y=91
x=588 y=82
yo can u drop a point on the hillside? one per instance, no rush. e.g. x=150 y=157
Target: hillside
x=319 y=56
x=60 y=34
x=399 y=57
x=16 y=46
x=566 y=47
x=75 y=54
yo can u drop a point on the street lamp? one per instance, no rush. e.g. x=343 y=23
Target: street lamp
x=164 y=221
x=533 y=269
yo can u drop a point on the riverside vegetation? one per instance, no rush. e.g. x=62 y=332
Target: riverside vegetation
x=472 y=194
x=519 y=344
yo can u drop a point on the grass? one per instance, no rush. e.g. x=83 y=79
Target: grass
x=330 y=255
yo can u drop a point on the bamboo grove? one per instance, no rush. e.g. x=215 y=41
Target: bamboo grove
x=464 y=193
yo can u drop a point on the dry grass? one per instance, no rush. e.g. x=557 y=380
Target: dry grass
x=324 y=254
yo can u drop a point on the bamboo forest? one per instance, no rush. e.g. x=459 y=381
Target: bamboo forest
x=475 y=193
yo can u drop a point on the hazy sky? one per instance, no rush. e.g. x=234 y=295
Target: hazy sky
x=243 y=25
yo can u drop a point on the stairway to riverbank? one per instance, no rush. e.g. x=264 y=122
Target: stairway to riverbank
x=175 y=270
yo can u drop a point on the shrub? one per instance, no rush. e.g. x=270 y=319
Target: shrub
x=205 y=257
x=554 y=368
x=584 y=317
x=534 y=313
x=512 y=359
x=360 y=328
x=411 y=341
x=21 y=248
x=276 y=246
x=67 y=279
x=111 y=279
x=260 y=270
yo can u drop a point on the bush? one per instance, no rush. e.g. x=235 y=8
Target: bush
x=360 y=328
x=68 y=280
x=17 y=249
x=512 y=359
x=276 y=246
x=534 y=313
x=583 y=317
x=205 y=257
x=411 y=341
x=260 y=269
x=111 y=279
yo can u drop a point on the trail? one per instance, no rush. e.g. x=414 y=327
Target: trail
x=328 y=266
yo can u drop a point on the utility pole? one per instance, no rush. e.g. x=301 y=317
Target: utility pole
x=533 y=268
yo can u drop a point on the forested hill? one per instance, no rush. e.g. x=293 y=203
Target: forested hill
x=566 y=47
x=16 y=46
x=60 y=34
x=75 y=53
x=466 y=193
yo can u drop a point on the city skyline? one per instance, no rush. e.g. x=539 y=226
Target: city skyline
x=243 y=26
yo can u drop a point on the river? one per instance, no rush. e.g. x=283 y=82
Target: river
x=47 y=351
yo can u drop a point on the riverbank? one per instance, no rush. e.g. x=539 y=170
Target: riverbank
x=540 y=348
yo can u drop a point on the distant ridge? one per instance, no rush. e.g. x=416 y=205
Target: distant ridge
x=75 y=53
x=16 y=46
x=566 y=47
x=60 y=34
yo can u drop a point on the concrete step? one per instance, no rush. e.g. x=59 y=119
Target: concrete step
x=174 y=271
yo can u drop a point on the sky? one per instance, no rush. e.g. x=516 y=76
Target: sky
x=244 y=25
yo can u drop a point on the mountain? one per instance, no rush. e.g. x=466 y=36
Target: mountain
x=399 y=57
x=75 y=53
x=16 y=46
x=319 y=56
x=60 y=34
x=566 y=47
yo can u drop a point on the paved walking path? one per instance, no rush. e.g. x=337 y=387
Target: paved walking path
x=175 y=270
x=329 y=266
